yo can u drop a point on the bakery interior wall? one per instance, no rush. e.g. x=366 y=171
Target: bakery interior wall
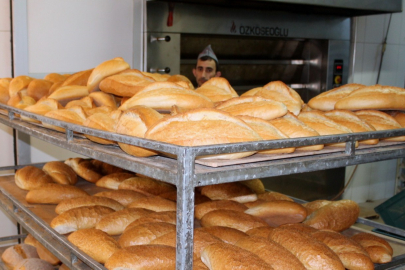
x=65 y=43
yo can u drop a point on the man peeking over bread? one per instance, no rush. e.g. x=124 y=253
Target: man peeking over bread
x=207 y=66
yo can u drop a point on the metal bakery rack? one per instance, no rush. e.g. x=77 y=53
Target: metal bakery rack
x=183 y=170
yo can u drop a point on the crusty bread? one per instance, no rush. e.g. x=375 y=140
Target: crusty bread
x=268 y=132
x=12 y=255
x=255 y=106
x=353 y=122
x=274 y=196
x=181 y=79
x=60 y=173
x=123 y=196
x=262 y=231
x=65 y=94
x=374 y=97
x=234 y=219
x=172 y=196
x=84 y=168
x=18 y=84
x=105 y=69
x=199 y=265
x=290 y=125
x=315 y=205
x=95 y=243
x=146 y=257
x=153 y=203
x=351 y=253
x=378 y=249
x=4 y=93
x=113 y=180
x=125 y=84
x=399 y=116
x=203 y=208
x=326 y=101
x=226 y=234
x=68 y=204
x=115 y=223
x=103 y=122
x=54 y=87
x=300 y=227
x=79 y=218
x=85 y=102
x=312 y=253
x=336 y=216
x=151 y=217
x=43 y=252
x=53 y=193
x=163 y=95
x=226 y=191
x=20 y=101
x=106 y=168
x=223 y=256
x=33 y=264
x=146 y=185
x=256 y=185
x=271 y=252
x=38 y=88
x=143 y=234
x=135 y=122
x=41 y=107
x=212 y=127
x=277 y=213
x=55 y=77
x=30 y=177
x=74 y=115
x=78 y=78
x=103 y=99
x=217 y=89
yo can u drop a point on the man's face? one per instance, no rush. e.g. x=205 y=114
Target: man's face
x=204 y=71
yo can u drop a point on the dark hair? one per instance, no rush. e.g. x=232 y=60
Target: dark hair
x=205 y=58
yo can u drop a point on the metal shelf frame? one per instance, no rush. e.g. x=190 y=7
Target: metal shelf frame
x=183 y=172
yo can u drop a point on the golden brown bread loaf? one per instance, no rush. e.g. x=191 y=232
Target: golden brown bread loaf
x=123 y=196
x=256 y=185
x=68 y=204
x=217 y=89
x=34 y=264
x=271 y=252
x=19 y=83
x=30 y=177
x=172 y=196
x=105 y=69
x=290 y=125
x=312 y=253
x=43 y=252
x=52 y=193
x=143 y=234
x=315 y=205
x=125 y=84
x=84 y=168
x=378 y=249
x=113 y=180
x=12 y=255
x=41 y=107
x=79 y=218
x=151 y=217
x=199 y=265
x=262 y=231
x=20 y=101
x=326 y=101
x=212 y=126
x=201 y=209
x=54 y=87
x=4 y=93
x=85 y=102
x=78 y=78
x=95 y=243
x=222 y=256
x=182 y=80
x=337 y=216
x=255 y=106
x=103 y=99
x=55 y=77
x=103 y=122
x=398 y=116
x=226 y=191
x=226 y=234
x=375 y=97
x=353 y=122
x=115 y=223
x=268 y=132
x=74 y=115
x=60 y=173
x=38 y=88
x=277 y=213
x=147 y=257
x=274 y=196
x=146 y=185
x=163 y=95
x=234 y=219
x=135 y=122
x=106 y=168
x=68 y=93
x=153 y=203
x=352 y=255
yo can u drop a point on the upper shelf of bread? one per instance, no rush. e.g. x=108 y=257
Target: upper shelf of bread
x=326 y=7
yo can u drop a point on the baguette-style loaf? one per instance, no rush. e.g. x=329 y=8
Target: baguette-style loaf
x=399 y=116
x=203 y=127
x=153 y=203
x=86 y=103
x=217 y=89
x=143 y=234
x=68 y=204
x=103 y=122
x=53 y=193
x=151 y=217
x=41 y=107
x=34 y=264
x=30 y=177
x=4 y=93
x=225 y=191
x=60 y=173
x=95 y=243
x=270 y=196
x=379 y=249
x=126 y=84
x=79 y=218
x=12 y=255
x=38 y=88
x=20 y=101
x=43 y=252
x=181 y=80
x=203 y=208
x=315 y=205
x=123 y=196
x=262 y=231
x=18 y=84
x=68 y=93
x=78 y=78
x=56 y=77
x=256 y=185
x=84 y=168
x=226 y=234
x=74 y=115
x=113 y=180
x=146 y=185
x=103 y=99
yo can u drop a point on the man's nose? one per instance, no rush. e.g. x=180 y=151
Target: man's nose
x=204 y=73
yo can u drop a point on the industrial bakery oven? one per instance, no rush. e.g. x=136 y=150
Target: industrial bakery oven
x=310 y=53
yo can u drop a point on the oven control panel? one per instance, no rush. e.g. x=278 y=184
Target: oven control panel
x=337 y=73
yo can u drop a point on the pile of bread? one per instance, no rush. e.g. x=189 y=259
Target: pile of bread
x=115 y=98
x=131 y=224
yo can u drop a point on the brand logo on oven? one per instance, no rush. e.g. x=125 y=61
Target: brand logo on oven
x=248 y=30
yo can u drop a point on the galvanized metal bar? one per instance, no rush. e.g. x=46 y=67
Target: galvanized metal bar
x=396 y=261
x=69 y=135
x=350 y=148
x=12 y=237
x=384 y=227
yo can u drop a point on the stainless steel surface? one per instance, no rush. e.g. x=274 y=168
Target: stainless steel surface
x=163 y=54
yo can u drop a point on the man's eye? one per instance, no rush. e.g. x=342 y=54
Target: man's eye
x=209 y=69
x=200 y=69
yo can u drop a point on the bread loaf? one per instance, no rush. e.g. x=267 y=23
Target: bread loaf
x=255 y=106
x=60 y=173
x=262 y=231
x=79 y=218
x=78 y=78
x=95 y=243
x=153 y=203
x=337 y=216
x=312 y=253
x=270 y=196
x=125 y=84
x=65 y=94
x=217 y=89
x=146 y=185
x=152 y=217
x=84 y=168
x=201 y=209
x=135 y=122
x=236 y=258
x=14 y=254
x=74 y=115
x=43 y=252
x=124 y=197
x=33 y=264
x=277 y=213
x=106 y=168
x=103 y=99
x=271 y=252
x=103 y=122
x=54 y=87
x=226 y=191
x=18 y=84
x=41 y=107
x=68 y=204
x=181 y=80
x=85 y=102
x=378 y=249
x=143 y=234
x=54 y=193
x=4 y=93
x=398 y=116
x=326 y=101
x=112 y=181
x=203 y=127
x=146 y=257
x=256 y=185
x=115 y=223
x=226 y=234
x=55 y=77
x=38 y=88
x=20 y=101
x=172 y=196
x=30 y=177
x=315 y=205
